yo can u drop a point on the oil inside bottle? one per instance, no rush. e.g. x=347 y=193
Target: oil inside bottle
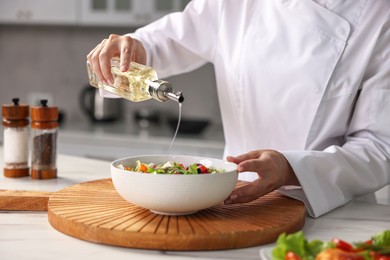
x=132 y=84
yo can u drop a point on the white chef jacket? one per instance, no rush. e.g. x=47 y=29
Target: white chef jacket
x=307 y=79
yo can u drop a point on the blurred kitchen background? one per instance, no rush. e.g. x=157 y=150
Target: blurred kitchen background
x=43 y=48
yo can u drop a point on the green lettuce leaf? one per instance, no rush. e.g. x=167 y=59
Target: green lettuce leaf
x=381 y=242
x=296 y=242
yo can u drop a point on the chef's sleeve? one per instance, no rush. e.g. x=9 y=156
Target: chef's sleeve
x=338 y=174
x=183 y=41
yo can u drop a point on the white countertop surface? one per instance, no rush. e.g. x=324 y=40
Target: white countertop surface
x=28 y=235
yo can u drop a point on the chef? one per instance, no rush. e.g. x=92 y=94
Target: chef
x=303 y=88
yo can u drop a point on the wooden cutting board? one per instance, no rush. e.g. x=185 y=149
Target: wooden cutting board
x=24 y=200
x=95 y=212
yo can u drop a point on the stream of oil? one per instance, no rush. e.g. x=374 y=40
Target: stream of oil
x=177 y=130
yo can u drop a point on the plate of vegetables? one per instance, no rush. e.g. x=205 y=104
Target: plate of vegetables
x=296 y=247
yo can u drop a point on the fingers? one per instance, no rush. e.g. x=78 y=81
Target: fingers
x=112 y=48
x=248 y=192
x=273 y=169
x=93 y=59
x=243 y=157
x=131 y=50
x=250 y=162
x=125 y=56
x=259 y=160
x=100 y=57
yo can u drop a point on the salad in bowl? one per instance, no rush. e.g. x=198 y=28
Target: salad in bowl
x=177 y=185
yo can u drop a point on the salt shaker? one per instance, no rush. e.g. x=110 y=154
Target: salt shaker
x=16 y=139
x=44 y=124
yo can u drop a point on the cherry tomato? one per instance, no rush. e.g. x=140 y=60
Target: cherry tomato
x=341 y=244
x=377 y=256
x=292 y=256
x=382 y=257
x=202 y=169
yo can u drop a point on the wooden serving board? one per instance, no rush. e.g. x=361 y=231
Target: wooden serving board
x=95 y=212
x=24 y=200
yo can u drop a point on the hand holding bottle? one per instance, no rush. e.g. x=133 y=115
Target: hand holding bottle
x=126 y=76
x=126 y=48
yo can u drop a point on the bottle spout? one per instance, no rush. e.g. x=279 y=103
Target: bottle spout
x=178 y=96
x=162 y=91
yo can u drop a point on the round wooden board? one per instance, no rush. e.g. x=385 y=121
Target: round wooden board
x=95 y=212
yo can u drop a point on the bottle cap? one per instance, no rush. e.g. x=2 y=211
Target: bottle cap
x=15 y=114
x=44 y=117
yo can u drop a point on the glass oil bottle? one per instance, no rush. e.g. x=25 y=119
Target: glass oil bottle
x=137 y=84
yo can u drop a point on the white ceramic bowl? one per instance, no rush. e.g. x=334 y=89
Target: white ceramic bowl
x=174 y=194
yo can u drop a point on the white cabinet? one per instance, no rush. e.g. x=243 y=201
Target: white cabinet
x=87 y=12
x=127 y=12
x=160 y=8
x=110 y=13
x=62 y=12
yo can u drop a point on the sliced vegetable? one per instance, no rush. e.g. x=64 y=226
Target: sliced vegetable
x=142 y=168
x=341 y=244
x=292 y=256
x=170 y=167
x=338 y=254
x=295 y=245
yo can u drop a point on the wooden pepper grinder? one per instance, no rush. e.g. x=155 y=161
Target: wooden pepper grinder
x=44 y=124
x=16 y=139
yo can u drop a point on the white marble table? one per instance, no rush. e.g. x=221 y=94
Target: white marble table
x=28 y=235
